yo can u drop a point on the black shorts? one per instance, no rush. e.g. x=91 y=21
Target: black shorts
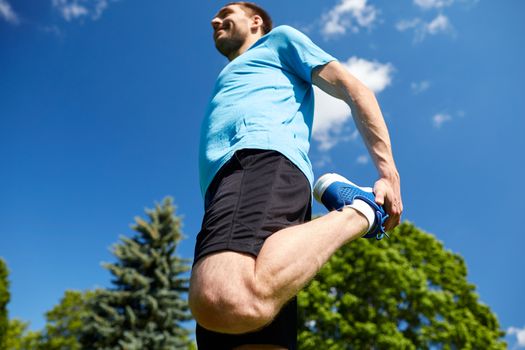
x=256 y=193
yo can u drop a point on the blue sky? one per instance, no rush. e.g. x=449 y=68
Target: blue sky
x=101 y=103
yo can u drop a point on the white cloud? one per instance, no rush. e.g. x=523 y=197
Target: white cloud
x=419 y=87
x=407 y=24
x=53 y=29
x=348 y=15
x=519 y=333
x=440 y=24
x=377 y=76
x=331 y=114
x=424 y=26
x=70 y=10
x=7 y=13
x=440 y=118
x=323 y=160
x=79 y=9
x=441 y=4
x=428 y=4
x=362 y=159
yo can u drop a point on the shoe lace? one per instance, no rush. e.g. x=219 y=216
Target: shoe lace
x=381 y=233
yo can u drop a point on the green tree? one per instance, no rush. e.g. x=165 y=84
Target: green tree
x=20 y=338
x=4 y=300
x=406 y=292
x=65 y=322
x=146 y=306
x=14 y=334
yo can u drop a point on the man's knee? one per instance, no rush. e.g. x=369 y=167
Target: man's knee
x=233 y=312
x=230 y=303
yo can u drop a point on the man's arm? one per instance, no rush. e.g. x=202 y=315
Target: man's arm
x=335 y=80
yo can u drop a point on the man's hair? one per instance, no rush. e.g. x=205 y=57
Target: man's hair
x=254 y=9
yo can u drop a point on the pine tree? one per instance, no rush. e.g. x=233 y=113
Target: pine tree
x=65 y=321
x=406 y=292
x=4 y=300
x=146 y=306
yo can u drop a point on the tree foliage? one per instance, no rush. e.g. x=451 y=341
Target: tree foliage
x=406 y=292
x=14 y=334
x=65 y=322
x=146 y=306
x=20 y=338
x=4 y=300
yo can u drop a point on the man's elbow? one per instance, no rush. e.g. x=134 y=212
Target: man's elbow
x=361 y=93
x=351 y=87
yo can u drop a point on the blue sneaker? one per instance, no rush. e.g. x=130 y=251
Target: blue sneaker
x=336 y=192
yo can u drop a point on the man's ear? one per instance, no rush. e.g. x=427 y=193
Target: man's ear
x=257 y=22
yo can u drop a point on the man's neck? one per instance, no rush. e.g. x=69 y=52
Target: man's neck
x=247 y=44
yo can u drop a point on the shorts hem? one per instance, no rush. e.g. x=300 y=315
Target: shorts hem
x=232 y=247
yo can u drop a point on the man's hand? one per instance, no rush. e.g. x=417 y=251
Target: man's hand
x=388 y=194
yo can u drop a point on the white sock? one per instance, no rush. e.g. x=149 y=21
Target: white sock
x=365 y=209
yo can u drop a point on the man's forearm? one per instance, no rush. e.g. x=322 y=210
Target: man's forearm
x=370 y=123
x=334 y=79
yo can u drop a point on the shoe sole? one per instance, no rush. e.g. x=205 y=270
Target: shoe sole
x=327 y=179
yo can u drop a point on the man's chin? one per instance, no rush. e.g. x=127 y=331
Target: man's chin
x=228 y=43
x=222 y=49
x=218 y=41
x=225 y=47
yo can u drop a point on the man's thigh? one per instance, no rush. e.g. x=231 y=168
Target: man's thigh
x=256 y=194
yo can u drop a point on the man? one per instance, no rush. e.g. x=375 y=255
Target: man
x=255 y=251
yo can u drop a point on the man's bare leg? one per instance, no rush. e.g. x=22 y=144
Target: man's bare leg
x=235 y=293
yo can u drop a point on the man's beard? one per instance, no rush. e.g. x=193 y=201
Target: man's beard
x=227 y=46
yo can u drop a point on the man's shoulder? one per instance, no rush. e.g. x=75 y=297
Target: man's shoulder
x=286 y=32
x=283 y=29
x=285 y=37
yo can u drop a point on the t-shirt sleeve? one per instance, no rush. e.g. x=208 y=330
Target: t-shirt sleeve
x=298 y=53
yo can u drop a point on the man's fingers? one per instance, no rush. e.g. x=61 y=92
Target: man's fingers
x=379 y=193
x=380 y=198
x=394 y=209
x=392 y=222
x=390 y=199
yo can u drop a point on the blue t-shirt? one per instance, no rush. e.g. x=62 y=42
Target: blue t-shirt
x=263 y=99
